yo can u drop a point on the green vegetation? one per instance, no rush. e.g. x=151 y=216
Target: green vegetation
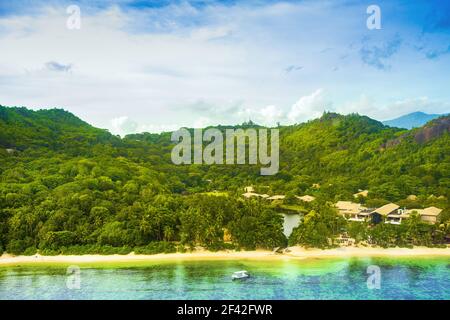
x=319 y=227
x=67 y=187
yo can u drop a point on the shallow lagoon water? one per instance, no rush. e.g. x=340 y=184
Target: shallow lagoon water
x=418 y=278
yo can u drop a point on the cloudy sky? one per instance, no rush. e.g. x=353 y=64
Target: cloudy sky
x=158 y=65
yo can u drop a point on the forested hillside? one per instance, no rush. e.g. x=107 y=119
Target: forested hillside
x=67 y=187
x=53 y=128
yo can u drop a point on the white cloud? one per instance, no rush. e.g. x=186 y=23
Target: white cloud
x=214 y=33
x=362 y=105
x=270 y=115
x=157 y=128
x=123 y=125
x=159 y=65
x=202 y=122
x=309 y=107
x=424 y=104
x=384 y=111
x=58 y=67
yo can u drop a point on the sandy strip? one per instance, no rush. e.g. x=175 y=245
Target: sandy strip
x=294 y=253
x=368 y=252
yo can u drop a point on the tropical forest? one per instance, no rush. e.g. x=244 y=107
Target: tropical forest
x=67 y=187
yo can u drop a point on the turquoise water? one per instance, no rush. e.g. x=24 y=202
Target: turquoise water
x=307 y=279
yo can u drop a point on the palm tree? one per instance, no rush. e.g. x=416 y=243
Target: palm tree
x=168 y=233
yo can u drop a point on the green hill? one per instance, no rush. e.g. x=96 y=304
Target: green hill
x=21 y=128
x=354 y=152
x=67 y=187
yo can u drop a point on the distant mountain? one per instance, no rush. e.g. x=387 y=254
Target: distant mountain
x=411 y=120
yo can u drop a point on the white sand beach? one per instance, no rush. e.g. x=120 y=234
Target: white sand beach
x=293 y=253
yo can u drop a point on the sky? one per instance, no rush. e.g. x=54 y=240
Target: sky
x=135 y=65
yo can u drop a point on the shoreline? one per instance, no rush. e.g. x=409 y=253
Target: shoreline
x=296 y=253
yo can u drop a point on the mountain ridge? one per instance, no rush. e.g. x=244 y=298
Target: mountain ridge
x=412 y=120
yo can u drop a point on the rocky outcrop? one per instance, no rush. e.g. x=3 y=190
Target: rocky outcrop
x=431 y=130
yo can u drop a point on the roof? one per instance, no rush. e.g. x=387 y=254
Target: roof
x=386 y=209
x=249 y=189
x=362 y=193
x=412 y=197
x=348 y=206
x=306 y=198
x=250 y=194
x=410 y=211
x=431 y=211
x=277 y=197
x=253 y=194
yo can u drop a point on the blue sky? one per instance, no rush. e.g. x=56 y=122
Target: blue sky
x=158 y=65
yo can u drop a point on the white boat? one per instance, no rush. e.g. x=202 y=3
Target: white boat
x=240 y=275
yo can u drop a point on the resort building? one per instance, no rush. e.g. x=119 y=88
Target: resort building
x=277 y=197
x=250 y=194
x=389 y=213
x=352 y=211
x=306 y=198
x=396 y=218
x=362 y=193
x=249 y=189
x=253 y=194
x=429 y=215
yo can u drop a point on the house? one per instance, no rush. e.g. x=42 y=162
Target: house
x=253 y=194
x=363 y=193
x=396 y=218
x=394 y=215
x=276 y=197
x=306 y=198
x=250 y=194
x=389 y=212
x=430 y=214
x=347 y=207
x=249 y=189
x=352 y=211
